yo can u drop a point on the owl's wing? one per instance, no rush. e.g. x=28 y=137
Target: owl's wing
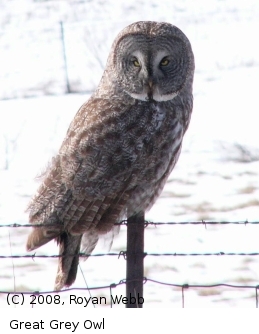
x=86 y=183
x=97 y=155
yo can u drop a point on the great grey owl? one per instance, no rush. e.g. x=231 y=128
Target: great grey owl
x=121 y=146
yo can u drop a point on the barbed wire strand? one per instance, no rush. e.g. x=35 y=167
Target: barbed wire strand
x=124 y=255
x=183 y=287
x=148 y=223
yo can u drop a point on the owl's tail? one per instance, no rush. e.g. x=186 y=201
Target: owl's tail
x=69 y=248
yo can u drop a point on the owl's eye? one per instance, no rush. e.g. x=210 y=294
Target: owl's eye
x=136 y=62
x=164 y=61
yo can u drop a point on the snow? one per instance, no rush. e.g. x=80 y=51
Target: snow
x=216 y=177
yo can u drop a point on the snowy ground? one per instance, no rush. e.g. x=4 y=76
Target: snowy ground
x=216 y=177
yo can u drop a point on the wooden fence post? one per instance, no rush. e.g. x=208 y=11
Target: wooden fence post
x=135 y=260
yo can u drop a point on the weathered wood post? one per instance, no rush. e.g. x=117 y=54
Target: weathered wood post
x=135 y=260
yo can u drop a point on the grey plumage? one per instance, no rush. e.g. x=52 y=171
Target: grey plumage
x=121 y=146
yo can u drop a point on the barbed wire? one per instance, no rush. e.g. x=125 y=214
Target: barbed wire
x=148 y=223
x=145 y=280
x=124 y=255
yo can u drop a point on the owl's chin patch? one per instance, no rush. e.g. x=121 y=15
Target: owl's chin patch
x=156 y=97
x=165 y=97
x=141 y=97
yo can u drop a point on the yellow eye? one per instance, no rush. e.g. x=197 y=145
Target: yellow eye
x=164 y=62
x=136 y=63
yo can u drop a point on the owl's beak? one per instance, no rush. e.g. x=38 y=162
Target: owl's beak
x=150 y=89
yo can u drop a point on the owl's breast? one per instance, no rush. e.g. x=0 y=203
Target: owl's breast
x=158 y=146
x=162 y=135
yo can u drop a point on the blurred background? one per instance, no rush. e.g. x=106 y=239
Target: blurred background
x=52 y=55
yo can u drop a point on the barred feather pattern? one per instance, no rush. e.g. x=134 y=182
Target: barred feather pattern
x=120 y=148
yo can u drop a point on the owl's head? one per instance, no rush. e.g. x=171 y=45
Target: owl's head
x=152 y=61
